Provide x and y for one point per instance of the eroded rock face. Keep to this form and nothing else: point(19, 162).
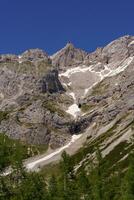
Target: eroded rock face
point(34, 55)
point(8, 58)
point(50, 83)
point(68, 56)
point(113, 53)
point(36, 90)
point(29, 94)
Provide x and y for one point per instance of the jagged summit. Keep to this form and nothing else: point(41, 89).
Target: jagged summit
point(68, 56)
point(34, 54)
point(69, 45)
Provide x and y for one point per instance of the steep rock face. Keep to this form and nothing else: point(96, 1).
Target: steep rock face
point(68, 56)
point(109, 110)
point(29, 96)
point(113, 53)
point(102, 86)
point(50, 83)
point(39, 95)
point(104, 62)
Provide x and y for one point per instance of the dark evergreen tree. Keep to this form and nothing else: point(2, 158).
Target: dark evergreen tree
point(127, 187)
point(33, 187)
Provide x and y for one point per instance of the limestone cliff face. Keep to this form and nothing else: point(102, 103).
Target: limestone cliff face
point(29, 95)
point(50, 83)
point(68, 56)
point(39, 94)
point(102, 86)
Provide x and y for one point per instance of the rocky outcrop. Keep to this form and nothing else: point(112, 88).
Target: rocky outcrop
point(29, 94)
point(68, 56)
point(50, 83)
point(8, 58)
point(34, 55)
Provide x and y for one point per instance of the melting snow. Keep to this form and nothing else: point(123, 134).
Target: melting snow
point(86, 91)
point(71, 71)
point(73, 110)
point(107, 72)
point(73, 95)
point(20, 61)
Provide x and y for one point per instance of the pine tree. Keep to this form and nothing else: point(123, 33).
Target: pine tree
point(84, 185)
point(68, 186)
point(33, 187)
point(53, 188)
point(127, 187)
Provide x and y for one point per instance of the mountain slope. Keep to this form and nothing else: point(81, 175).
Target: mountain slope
point(47, 99)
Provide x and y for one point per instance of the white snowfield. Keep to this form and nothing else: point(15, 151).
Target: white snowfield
point(110, 72)
point(106, 72)
point(74, 110)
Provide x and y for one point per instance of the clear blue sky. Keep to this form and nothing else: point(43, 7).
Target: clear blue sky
point(50, 24)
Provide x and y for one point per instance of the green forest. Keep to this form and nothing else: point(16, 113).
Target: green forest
point(63, 182)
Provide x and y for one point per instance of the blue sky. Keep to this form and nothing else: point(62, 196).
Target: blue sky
point(50, 24)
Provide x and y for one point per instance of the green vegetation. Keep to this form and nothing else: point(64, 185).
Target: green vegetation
point(53, 107)
point(109, 178)
point(14, 150)
point(28, 67)
point(86, 107)
point(100, 88)
point(96, 183)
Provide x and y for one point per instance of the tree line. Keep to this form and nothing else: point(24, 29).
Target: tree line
point(96, 183)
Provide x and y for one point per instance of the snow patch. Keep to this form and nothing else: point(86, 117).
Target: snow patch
point(74, 110)
point(20, 57)
point(71, 71)
point(87, 89)
point(73, 95)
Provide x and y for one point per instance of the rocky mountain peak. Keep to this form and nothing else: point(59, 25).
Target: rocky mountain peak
point(34, 55)
point(68, 56)
point(69, 45)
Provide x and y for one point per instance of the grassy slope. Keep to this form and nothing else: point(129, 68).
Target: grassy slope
point(11, 149)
